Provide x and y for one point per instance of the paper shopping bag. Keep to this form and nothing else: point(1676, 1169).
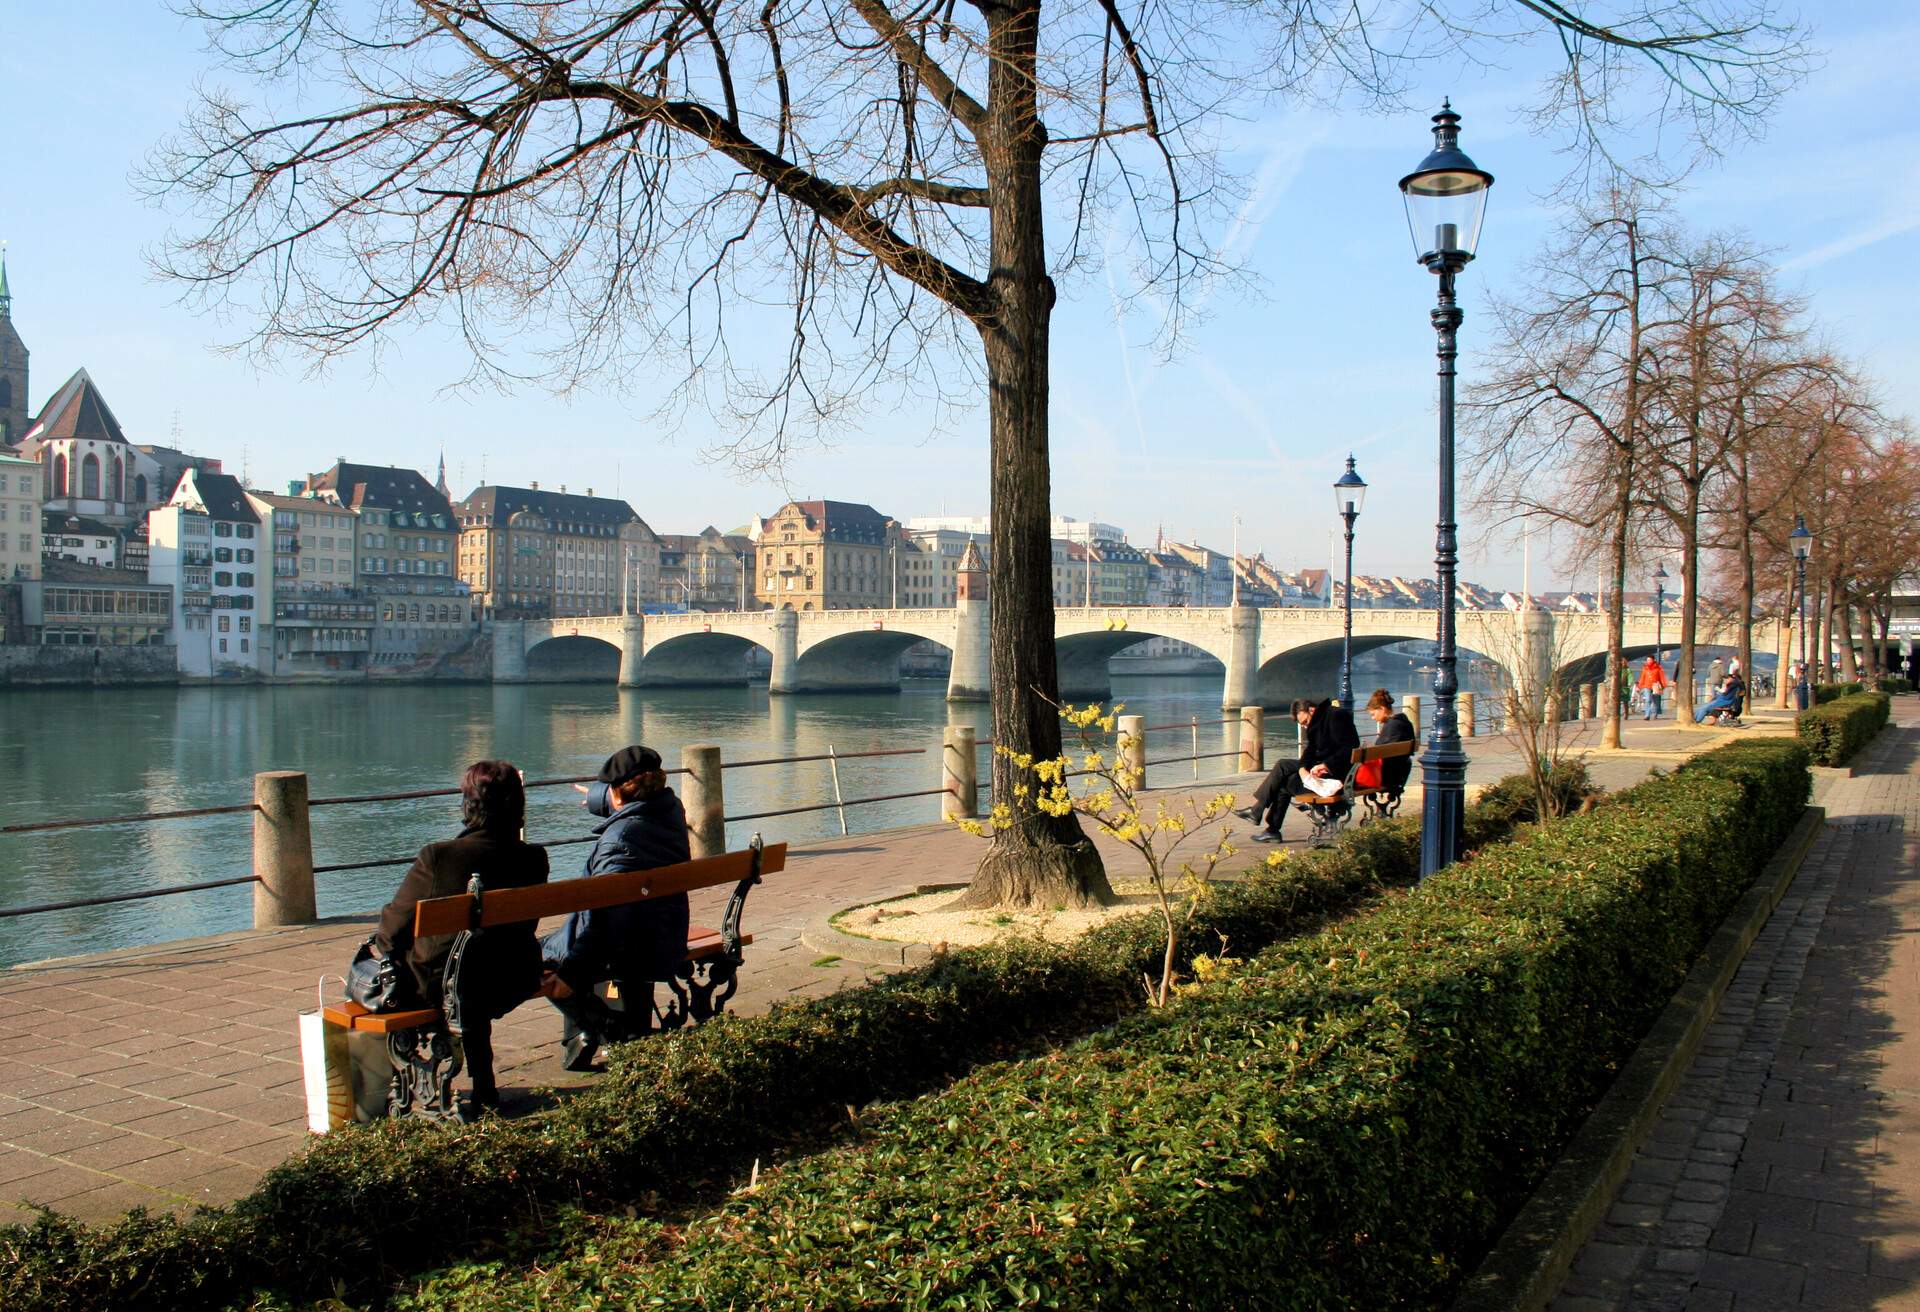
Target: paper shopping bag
point(329, 1077)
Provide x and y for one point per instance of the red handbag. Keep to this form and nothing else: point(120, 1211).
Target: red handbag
point(1371, 774)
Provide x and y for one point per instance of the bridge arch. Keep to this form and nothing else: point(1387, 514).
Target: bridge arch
point(863, 660)
point(698, 660)
point(572, 658)
point(1312, 669)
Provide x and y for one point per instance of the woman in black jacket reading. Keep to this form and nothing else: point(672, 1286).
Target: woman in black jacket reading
point(500, 968)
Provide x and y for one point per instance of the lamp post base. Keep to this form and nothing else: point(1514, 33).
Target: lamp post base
point(1443, 811)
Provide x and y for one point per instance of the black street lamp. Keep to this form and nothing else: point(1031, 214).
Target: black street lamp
point(1802, 543)
point(1349, 491)
point(1659, 612)
point(1446, 199)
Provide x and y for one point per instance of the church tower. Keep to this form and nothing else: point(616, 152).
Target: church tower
point(13, 369)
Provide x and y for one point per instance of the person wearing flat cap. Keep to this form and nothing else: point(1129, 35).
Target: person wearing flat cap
point(632, 945)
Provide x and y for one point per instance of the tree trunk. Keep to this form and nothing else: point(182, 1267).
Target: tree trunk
point(1690, 604)
point(1817, 633)
point(1747, 585)
point(1042, 861)
point(1615, 708)
point(1849, 665)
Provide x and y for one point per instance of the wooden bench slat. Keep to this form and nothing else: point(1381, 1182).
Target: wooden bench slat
point(350, 1015)
point(508, 906)
point(1381, 752)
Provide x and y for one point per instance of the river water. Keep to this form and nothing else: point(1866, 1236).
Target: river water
point(68, 754)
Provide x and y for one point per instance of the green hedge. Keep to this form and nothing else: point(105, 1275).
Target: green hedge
point(1895, 683)
point(1831, 692)
point(1342, 1122)
point(361, 1204)
point(1834, 730)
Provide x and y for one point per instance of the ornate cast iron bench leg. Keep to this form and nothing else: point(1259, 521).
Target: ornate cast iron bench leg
point(425, 1062)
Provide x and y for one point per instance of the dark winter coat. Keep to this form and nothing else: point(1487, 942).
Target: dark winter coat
point(1329, 740)
point(641, 940)
point(502, 964)
point(1394, 773)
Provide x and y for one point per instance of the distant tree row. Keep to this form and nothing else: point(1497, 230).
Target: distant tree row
point(1654, 393)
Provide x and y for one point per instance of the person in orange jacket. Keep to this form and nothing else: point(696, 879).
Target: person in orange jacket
point(1653, 682)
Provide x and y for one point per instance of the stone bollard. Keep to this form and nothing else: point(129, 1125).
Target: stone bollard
point(1133, 754)
point(705, 800)
point(1412, 708)
point(1467, 727)
point(959, 773)
point(1589, 700)
point(282, 850)
point(1253, 739)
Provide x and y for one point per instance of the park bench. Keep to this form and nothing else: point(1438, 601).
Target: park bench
point(423, 1044)
point(1330, 814)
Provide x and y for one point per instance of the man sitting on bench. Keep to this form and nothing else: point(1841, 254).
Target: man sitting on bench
point(1326, 748)
point(631, 945)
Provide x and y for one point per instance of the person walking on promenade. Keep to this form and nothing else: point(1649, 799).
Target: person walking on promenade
point(1326, 748)
point(633, 945)
point(500, 967)
point(1653, 684)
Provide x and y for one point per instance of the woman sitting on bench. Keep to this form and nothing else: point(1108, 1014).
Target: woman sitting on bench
point(500, 968)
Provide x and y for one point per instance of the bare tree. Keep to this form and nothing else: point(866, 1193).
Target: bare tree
point(1565, 407)
point(866, 186)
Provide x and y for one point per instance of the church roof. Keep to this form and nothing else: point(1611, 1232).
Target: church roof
point(77, 410)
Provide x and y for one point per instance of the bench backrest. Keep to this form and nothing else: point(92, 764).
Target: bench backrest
point(507, 906)
point(1381, 752)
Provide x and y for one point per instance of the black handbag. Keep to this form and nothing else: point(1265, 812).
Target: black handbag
point(375, 982)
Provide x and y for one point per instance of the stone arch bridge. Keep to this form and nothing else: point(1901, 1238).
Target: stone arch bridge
point(1270, 655)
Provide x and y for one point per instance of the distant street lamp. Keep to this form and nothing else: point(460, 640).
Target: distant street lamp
point(1446, 199)
point(1659, 612)
point(1349, 491)
point(1802, 543)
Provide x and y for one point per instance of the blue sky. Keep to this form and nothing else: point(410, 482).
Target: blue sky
point(1329, 351)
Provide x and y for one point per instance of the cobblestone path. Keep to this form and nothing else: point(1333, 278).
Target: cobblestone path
point(1785, 1170)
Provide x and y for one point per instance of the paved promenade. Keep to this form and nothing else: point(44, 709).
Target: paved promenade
point(168, 1077)
point(1785, 1169)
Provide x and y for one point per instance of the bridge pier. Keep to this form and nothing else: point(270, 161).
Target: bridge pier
point(509, 651)
point(970, 678)
point(633, 649)
point(786, 653)
point(1243, 658)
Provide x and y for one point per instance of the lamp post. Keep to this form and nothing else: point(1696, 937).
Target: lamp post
point(1659, 612)
point(1446, 199)
point(1802, 543)
point(1349, 491)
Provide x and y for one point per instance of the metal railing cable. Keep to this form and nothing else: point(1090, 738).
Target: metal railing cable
point(105, 899)
point(418, 794)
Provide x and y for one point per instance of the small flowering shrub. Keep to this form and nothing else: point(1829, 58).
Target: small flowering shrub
point(1109, 798)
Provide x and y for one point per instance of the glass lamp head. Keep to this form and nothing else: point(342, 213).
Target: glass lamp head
point(1446, 197)
point(1800, 539)
point(1349, 491)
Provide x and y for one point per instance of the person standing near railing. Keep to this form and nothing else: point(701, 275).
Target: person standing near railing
point(632, 945)
point(500, 967)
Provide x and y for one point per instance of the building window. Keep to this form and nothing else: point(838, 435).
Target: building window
point(222, 578)
point(222, 530)
point(223, 646)
point(243, 531)
point(223, 554)
point(225, 625)
point(90, 477)
point(60, 476)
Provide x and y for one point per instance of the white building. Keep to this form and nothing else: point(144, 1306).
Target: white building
point(77, 538)
point(19, 519)
point(206, 544)
point(322, 620)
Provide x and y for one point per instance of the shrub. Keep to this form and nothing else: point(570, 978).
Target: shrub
point(1895, 683)
point(1340, 1123)
point(1834, 730)
point(1828, 692)
point(361, 1204)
